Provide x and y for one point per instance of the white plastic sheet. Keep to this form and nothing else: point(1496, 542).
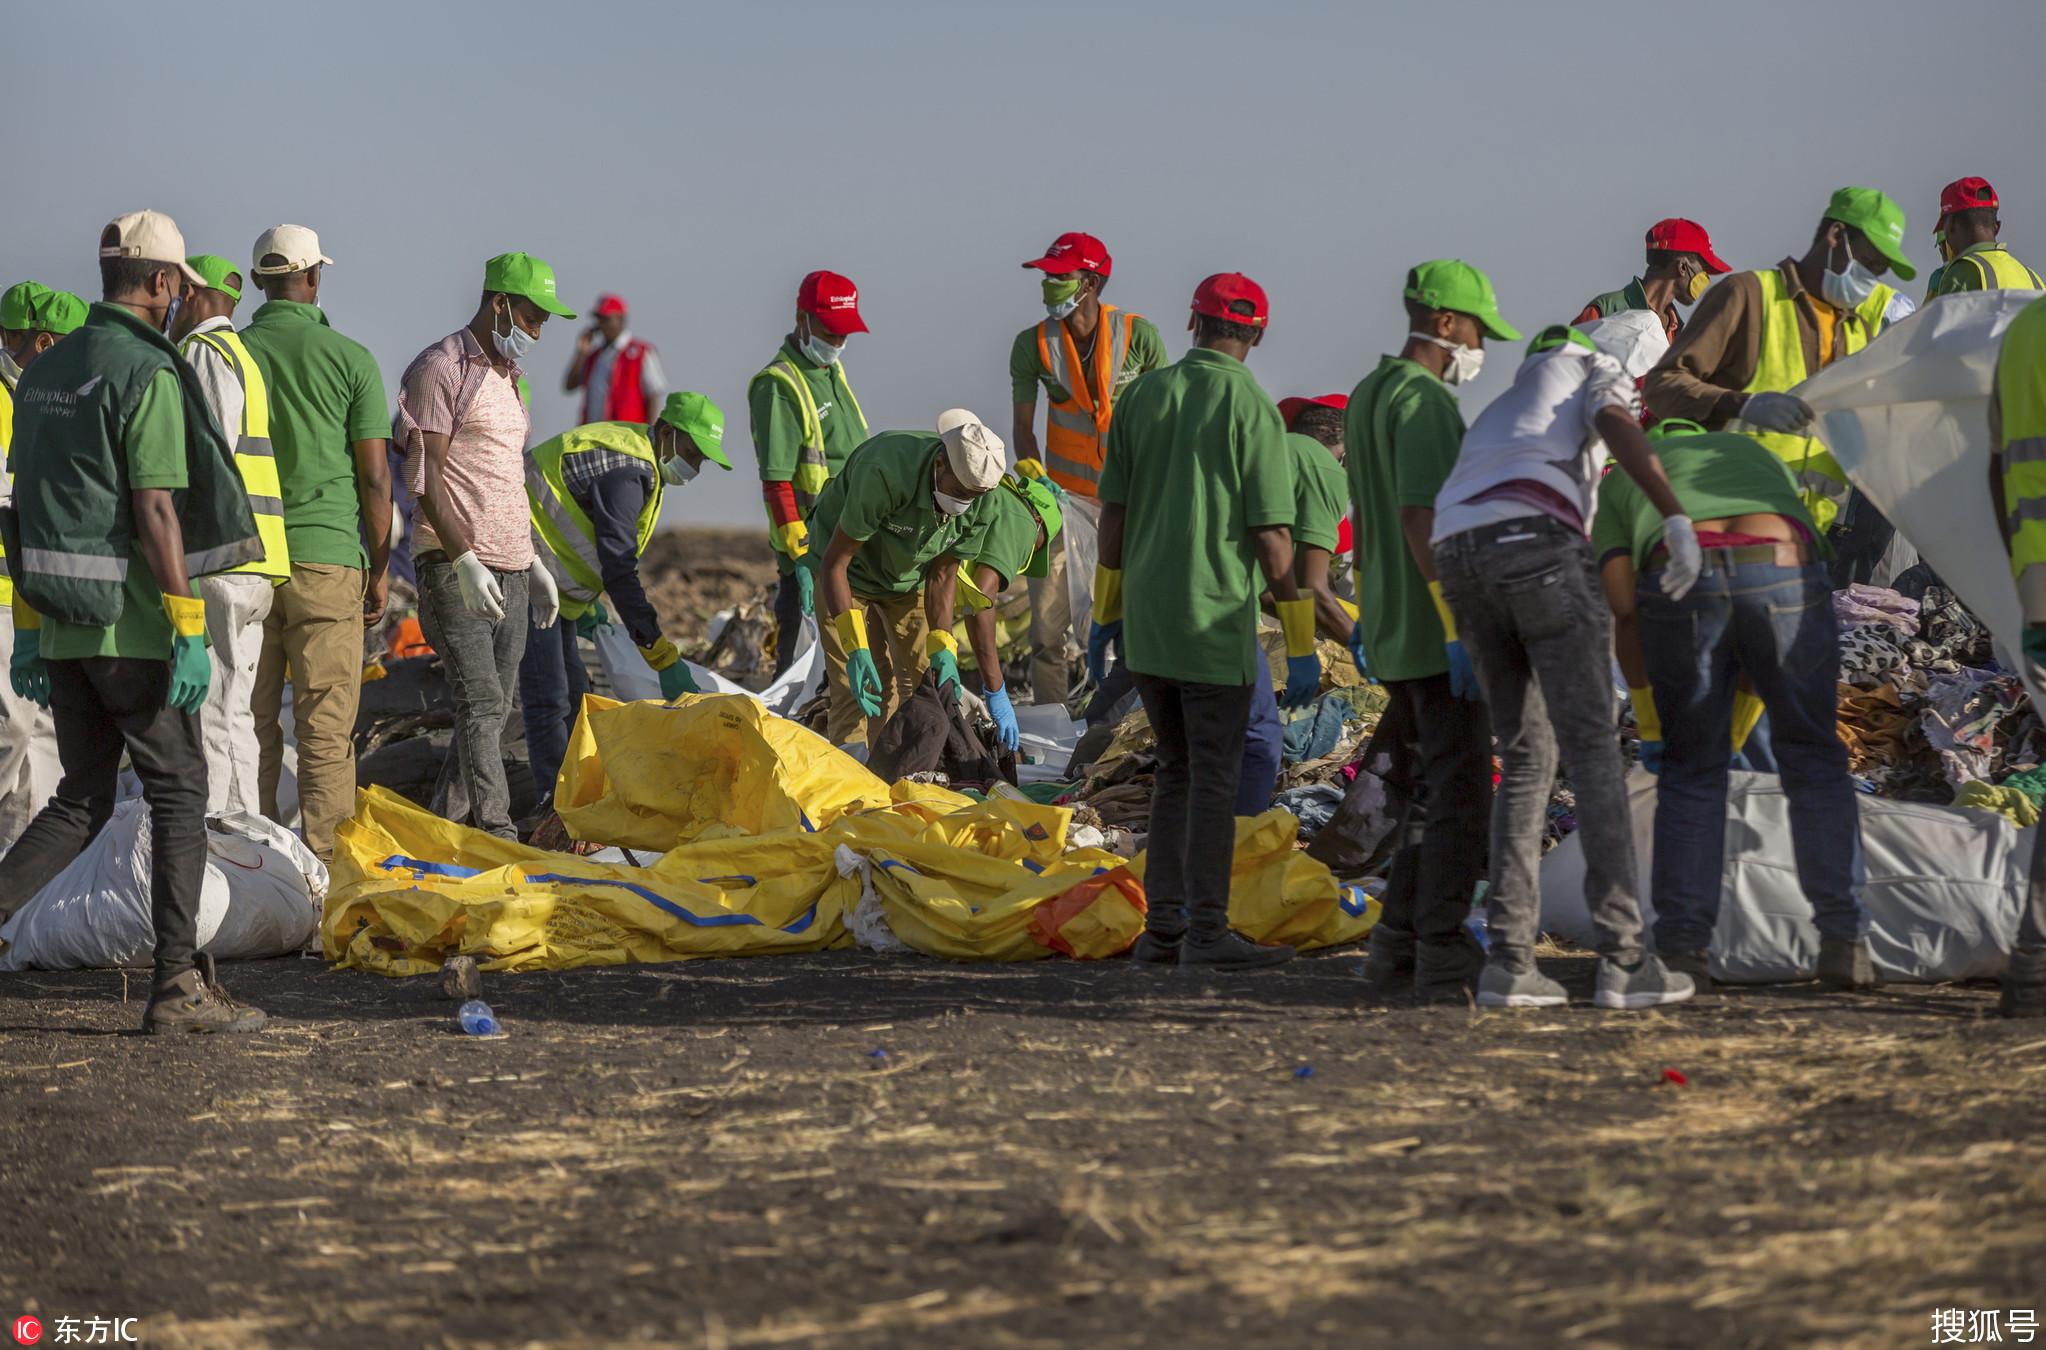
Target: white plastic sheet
point(1082, 516)
point(631, 678)
point(1048, 734)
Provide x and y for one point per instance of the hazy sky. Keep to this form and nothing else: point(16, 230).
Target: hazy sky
point(699, 159)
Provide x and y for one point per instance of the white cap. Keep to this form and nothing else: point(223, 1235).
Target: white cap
point(297, 245)
point(1633, 337)
point(151, 236)
point(977, 455)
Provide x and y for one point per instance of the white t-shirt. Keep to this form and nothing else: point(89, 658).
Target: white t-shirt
point(217, 378)
point(1542, 430)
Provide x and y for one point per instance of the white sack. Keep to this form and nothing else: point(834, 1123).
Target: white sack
point(1633, 337)
point(1944, 886)
point(1082, 516)
point(262, 897)
point(631, 678)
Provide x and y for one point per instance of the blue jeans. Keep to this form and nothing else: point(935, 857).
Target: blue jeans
point(1776, 624)
point(1264, 743)
point(552, 682)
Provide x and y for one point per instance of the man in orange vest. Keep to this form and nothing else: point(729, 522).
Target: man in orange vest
point(621, 377)
point(1107, 348)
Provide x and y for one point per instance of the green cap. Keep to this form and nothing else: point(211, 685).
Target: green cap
point(1876, 216)
point(524, 274)
point(1452, 284)
point(216, 270)
point(1046, 503)
point(701, 421)
point(14, 303)
point(57, 312)
point(1674, 426)
point(1558, 335)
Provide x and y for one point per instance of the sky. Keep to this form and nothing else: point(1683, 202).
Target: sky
point(700, 159)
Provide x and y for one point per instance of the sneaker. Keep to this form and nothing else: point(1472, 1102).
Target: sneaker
point(1388, 967)
point(194, 1001)
point(1231, 951)
point(1448, 971)
point(1648, 985)
point(1154, 951)
point(1845, 964)
point(2024, 986)
point(1697, 965)
point(1499, 987)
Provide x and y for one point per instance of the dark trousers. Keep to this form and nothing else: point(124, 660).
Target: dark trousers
point(2032, 918)
point(1264, 752)
point(101, 706)
point(552, 682)
point(1441, 748)
point(481, 659)
point(1193, 803)
point(788, 617)
point(1860, 536)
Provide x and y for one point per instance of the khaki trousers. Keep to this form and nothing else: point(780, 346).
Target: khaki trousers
point(315, 630)
point(1051, 629)
point(896, 630)
point(236, 605)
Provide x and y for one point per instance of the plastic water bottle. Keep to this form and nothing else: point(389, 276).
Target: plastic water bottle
point(1475, 923)
point(477, 1019)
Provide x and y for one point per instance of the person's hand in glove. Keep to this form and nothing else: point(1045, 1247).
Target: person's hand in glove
point(593, 618)
point(665, 660)
point(1463, 677)
point(27, 671)
point(543, 597)
point(1357, 650)
point(1686, 559)
point(1107, 621)
point(806, 591)
point(862, 677)
point(1303, 667)
point(1772, 411)
point(943, 649)
point(191, 668)
point(999, 708)
point(481, 592)
point(1649, 723)
point(794, 538)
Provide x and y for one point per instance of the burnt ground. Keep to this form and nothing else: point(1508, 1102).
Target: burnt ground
point(712, 1154)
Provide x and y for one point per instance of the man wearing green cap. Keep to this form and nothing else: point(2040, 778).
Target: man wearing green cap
point(463, 420)
point(1404, 431)
point(14, 328)
point(1756, 334)
point(595, 495)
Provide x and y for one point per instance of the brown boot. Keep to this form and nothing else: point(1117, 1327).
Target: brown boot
point(194, 1001)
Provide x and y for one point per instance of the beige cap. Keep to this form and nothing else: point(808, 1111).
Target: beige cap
point(297, 245)
point(151, 236)
point(977, 455)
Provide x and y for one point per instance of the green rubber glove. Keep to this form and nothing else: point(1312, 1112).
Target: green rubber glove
point(593, 617)
point(191, 668)
point(677, 681)
point(806, 590)
point(943, 649)
point(27, 671)
point(864, 679)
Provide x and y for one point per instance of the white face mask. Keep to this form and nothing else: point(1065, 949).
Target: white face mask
point(1850, 287)
point(950, 505)
point(1064, 307)
point(515, 344)
point(675, 470)
point(1464, 362)
point(820, 351)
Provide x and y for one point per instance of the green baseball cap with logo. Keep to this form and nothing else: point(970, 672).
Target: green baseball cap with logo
point(14, 303)
point(1453, 284)
point(701, 421)
point(524, 274)
point(215, 270)
point(1876, 216)
point(57, 312)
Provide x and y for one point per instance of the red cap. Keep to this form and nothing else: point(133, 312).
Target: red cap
point(1214, 296)
point(1686, 236)
point(1074, 253)
point(609, 304)
point(1289, 408)
point(1966, 195)
point(832, 301)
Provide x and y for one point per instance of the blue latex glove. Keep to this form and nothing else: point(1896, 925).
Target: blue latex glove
point(191, 673)
point(947, 666)
point(1097, 649)
point(1463, 679)
point(28, 672)
point(1357, 650)
point(593, 618)
point(999, 708)
point(677, 681)
point(864, 679)
point(1651, 756)
point(806, 590)
point(1303, 680)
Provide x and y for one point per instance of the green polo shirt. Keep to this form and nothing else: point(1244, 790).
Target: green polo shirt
point(1403, 430)
point(883, 499)
point(1197, 458)
point(1321, 494)
point(778, 422)
point(1009, 539)
point(1715, 476)
point(325, 393)
point(1146, 351)
point(153, 455)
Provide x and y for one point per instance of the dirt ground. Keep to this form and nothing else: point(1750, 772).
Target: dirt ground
point(845, 1150)
point(690, 575)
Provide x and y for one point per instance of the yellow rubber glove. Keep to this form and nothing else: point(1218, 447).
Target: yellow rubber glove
point(662, 654)
point(794, 538)
point(1646, 719)
point(666, 661)
point(24, 614)
point(862, 677)
point(1107, 594)
point(1347, 608)
point(1296, 620)
point(1442, 611)
point(1747, 710)
point(1030, 468)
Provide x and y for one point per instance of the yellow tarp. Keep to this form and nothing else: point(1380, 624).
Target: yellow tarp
point(1278, 894)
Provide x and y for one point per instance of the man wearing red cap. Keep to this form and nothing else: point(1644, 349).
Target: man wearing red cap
point(1197, 508)
point(805, 422)
point(1680, 264)
point(620, 375)
point(1966, 234)
point(1107, 348)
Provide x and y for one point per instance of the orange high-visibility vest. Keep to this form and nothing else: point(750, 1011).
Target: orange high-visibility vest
point(1076, 431)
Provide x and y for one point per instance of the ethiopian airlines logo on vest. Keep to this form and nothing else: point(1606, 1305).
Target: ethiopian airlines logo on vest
point(85, 390)
point(57, 402)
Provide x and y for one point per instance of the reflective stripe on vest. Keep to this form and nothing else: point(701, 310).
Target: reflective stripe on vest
point(1999, 271)
point(253, 455)
point(2021, 415)
point(571, 553)
point(1780, 365)
point(813, 468)
point(1076, 430)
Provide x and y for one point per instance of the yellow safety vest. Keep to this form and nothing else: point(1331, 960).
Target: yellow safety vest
point(1076, 431)
point(6, 440)
point(1820, 480)
point(813, 469)
point(2021, 411)
point(253, 455)
point(1999, 271)
point(571, 553)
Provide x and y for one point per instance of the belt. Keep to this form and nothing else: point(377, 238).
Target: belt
point(1781, 555)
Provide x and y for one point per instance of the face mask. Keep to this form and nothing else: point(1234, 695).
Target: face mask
point(1850, 287)
point(170, 313)
point(1464, 362)
point(1061, 296)
point(952, 506)
point(1699, 281)
point(515, 344)
point(675, 470)
point(820, 351)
